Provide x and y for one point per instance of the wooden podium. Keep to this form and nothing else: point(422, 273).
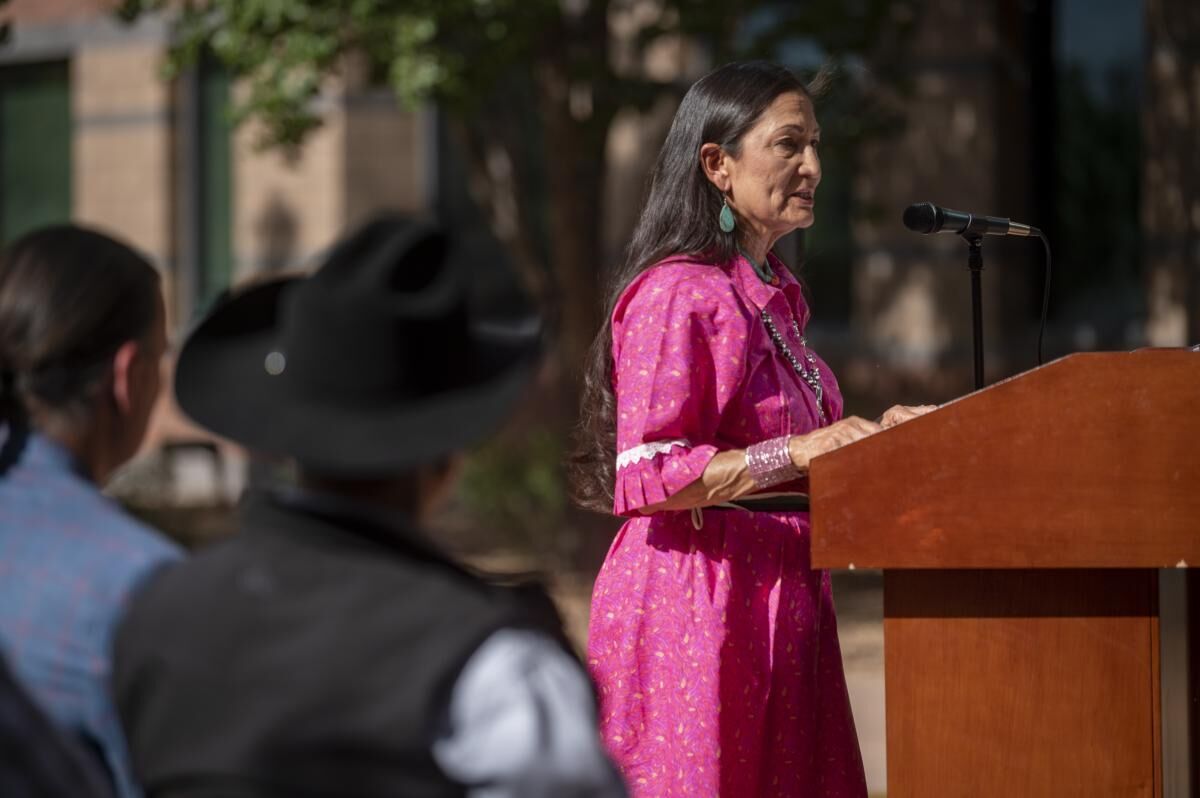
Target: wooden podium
point(1020, 530)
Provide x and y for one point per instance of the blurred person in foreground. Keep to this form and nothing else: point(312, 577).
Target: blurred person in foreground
point(36, 759)
point(330, 648)
point(713, 641)
point(82, 335)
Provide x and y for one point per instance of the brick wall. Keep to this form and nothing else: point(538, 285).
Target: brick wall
point(47, 11)
point(122, 145)
point(388, 158)
point(288, 207)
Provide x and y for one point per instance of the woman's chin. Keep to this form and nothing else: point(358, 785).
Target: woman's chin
point(801, 219)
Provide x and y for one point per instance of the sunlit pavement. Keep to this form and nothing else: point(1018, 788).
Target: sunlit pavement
point(859, 599)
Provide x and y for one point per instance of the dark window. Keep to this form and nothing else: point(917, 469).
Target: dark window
point(35, 147)
point(214, 182)
point(1098, 57)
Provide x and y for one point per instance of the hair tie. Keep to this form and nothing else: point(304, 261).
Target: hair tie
point(13, 422)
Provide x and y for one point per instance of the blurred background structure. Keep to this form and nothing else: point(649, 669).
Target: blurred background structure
point(233, 140)
point(531, 127)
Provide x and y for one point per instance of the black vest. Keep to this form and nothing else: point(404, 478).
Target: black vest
point(312, 655)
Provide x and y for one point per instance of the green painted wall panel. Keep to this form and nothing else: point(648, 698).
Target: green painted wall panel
point(216, 183)
point(35, 148)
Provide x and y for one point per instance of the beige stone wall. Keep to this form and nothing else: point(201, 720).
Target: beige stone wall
point(53, 11)
point(388, 158)
point(368, 156)
point(122, 157)
point(1170, 212)
point(287, 207)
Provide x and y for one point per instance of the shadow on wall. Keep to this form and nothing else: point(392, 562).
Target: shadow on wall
point(276, 230)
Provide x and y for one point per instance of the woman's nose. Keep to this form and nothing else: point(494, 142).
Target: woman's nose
point(810, 164)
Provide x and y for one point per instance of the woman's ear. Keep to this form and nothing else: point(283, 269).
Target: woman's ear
point(715, 163)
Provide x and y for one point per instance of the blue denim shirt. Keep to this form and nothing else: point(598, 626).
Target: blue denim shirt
point(69, 560)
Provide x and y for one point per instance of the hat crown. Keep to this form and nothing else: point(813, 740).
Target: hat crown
point(385, 319)
point(375, 362)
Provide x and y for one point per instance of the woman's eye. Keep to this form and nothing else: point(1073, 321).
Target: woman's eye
point(786, 145)
point(815, 144)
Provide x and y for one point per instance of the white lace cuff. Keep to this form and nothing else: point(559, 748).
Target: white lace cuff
point(647, 451)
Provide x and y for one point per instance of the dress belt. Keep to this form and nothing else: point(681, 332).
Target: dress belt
point(768, 503)
point(761, 503)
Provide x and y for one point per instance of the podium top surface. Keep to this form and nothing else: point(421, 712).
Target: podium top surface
point(1091, 461)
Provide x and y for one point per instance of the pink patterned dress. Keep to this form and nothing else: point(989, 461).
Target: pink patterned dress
point(715, 648)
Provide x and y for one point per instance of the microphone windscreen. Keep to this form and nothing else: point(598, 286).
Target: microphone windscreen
point(921, 218)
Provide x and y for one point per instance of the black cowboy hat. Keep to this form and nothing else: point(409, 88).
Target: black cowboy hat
point(373, 364)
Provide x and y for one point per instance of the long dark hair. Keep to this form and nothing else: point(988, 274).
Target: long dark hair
point(69, 298)
point(679, 217)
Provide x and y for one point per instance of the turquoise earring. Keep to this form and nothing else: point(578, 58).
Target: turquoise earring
point(725, 220)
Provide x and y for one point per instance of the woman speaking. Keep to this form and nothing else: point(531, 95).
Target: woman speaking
point(713, 640)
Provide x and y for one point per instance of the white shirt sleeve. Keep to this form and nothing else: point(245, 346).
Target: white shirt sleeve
point(521, 722)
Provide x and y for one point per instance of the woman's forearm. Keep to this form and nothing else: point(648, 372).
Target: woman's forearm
point(725, 478)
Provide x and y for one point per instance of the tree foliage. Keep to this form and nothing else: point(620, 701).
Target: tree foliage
point(458, 52)
point(531, 90)
point(532, 86)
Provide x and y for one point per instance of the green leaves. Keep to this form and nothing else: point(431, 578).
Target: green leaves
point(458, 51)
point(418, 69)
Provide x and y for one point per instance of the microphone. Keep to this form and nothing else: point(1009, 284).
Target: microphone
point(925, 217)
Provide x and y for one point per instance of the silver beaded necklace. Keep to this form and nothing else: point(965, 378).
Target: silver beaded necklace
point(811, 375)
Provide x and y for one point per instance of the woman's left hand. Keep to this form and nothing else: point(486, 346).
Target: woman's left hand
point(898, 414)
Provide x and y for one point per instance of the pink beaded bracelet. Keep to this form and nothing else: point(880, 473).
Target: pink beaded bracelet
point(770, 463)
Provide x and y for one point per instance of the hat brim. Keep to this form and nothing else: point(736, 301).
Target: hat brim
point(222, 383)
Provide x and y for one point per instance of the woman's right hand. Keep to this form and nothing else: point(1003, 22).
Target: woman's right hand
point(803, 448)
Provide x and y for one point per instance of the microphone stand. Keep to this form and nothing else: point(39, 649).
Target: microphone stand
point(975, 265)
point(928, 218)
point(974, 232)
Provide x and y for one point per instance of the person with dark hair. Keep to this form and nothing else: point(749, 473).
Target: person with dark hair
point(713, 641)
point(82, 335)
point(331, 649)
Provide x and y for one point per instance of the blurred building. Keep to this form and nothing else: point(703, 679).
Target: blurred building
point(90, 131)
point(1078, 116)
